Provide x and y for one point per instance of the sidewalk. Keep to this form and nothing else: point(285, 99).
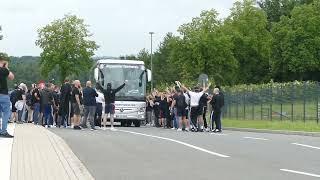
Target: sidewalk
point(38, 154)
point(5, 154)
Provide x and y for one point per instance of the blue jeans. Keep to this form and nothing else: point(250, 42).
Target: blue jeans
point(5, 111)
point(48, 114)
point(36, 113)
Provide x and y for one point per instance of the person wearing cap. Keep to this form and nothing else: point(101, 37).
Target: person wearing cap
point(109, 97)
point(5, 74)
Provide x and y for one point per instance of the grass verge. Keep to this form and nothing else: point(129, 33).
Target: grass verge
point(308, 126)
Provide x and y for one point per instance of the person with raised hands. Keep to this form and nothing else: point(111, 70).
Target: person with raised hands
point(196, 120)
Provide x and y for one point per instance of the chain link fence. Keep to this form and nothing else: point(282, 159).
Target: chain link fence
point(295, 101)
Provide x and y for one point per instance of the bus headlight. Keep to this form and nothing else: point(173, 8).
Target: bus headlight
point(141, 110)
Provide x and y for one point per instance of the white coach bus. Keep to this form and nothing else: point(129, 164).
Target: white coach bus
point(130, 105)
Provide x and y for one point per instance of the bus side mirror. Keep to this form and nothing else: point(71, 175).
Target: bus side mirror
point(149, 75)
point(96, 74)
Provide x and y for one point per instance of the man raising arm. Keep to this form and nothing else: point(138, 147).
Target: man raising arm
point(4, 97)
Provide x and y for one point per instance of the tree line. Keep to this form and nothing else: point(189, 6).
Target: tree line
point(275, 40)
point(259, 42)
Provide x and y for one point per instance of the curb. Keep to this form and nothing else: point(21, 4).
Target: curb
point(73, 166)
point(300, 133)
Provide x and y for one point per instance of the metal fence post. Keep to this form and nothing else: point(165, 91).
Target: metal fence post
point(271, 100)
point(244, 103)
point(304, 101)
point(318, 93)
point(252, 99)
point(281, 102)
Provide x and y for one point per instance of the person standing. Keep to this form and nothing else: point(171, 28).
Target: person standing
point(47, 102)
point(180, 104)
point(196, 113)
point(13, 100)
point(21, 103)
point(56, 99)
point(100, 105)
point(109, 97)
point(5, 104)
point(64, 108)
point(76, 100)
point(90, 105)
point(36, 104)
point(149, 109)
point(217, 103)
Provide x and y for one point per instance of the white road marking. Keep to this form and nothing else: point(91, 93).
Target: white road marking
point(5, 154)
point(255, 138)
point(179, 142)
point(218, 134)
point(304, 145)
point(299, 172)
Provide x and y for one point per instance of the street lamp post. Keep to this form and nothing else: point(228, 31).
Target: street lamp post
point(151, 34)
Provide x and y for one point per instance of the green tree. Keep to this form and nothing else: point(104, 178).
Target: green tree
point(66, 47)
point(296, 44)
point(204, 48)
point(247, 25)
point(277, 8)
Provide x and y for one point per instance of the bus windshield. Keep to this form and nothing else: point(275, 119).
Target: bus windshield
point(117, 74)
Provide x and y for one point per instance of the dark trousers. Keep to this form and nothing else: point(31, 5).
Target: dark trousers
point(217, 120)
point(98, 115)
point(194, 116)
point(204, 117)
point(89, 113)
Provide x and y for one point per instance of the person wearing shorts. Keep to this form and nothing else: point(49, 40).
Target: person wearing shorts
point(181, 104)
point(109, 97)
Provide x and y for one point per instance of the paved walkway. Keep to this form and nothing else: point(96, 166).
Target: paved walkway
point(5, 154)
point(38, 154)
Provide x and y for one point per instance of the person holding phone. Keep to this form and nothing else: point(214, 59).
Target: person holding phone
point(5, 103)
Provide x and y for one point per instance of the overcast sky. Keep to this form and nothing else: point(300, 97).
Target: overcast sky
point(120, 27)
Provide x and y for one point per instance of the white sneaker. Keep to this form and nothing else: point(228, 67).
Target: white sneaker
point(46, 126)
point(173, 128)
point(104, 128)
point(113, 129)
point(179, 129)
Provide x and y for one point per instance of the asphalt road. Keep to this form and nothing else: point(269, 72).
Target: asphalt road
point(151, 153)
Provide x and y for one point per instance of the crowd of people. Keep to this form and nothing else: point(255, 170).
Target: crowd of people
point(69, 106)
point(72, 106)
point(184, 109)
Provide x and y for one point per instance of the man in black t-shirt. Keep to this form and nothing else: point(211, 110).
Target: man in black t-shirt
point(180, 103)
point(76, 99)
point(4, 97)
point(109, 97)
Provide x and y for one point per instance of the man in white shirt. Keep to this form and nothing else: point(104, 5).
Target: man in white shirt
point(100, 107)
point(196, 120)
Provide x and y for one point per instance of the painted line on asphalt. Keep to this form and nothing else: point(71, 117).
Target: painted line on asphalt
point(304, 145)
point(255, 138)
point(179, 142)
point(300, 172)
point(217, 134)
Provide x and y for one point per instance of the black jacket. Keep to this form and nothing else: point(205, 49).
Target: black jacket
point(217, 103)
point(109, 95)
